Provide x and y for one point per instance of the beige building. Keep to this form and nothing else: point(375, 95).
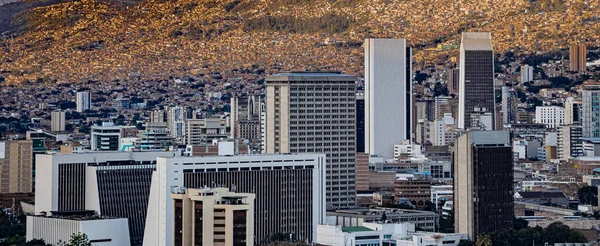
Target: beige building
point(577, 56)
point(362, 171)
point(213, 217)
point(202, 131)
point(16, 166)
point(314, 112)
point(58, 121)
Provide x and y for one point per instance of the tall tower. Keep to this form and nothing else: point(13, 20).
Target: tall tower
point(57, 121)
point(577, 57)
point(388, 95)
point(84, 101)
point(590, 111)
point(506, 107)
point(315, 113)
point(476, 90)
point(483, 183)
point(572, 111)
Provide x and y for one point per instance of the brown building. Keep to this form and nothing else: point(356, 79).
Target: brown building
point(417, 191)
point(240, 148)
point(129, 132)
point(362, 172)
point(483, 183)
point(16, 166)
point(577, 57)
point(247, 129)
point(382, 180)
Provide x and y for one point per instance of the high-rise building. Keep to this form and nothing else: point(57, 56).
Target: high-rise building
point(483, 183)
point(289, 189)
point(453, 81)
point(572, 111)
point(84, 101)
point(526, 73)
point(106, 137)
point(506, 107)
point(203, 131)
point(157, 115)
point(16, 166)
point(315, 113)
point(551, 116)
point(577, 57)
point(57, 121)
point(569, 142)
point(212, 217)
point(437, 132)
point(176, 117)
point(590, 111)
point(360, 122)
point(424, 110)
point(477, 94)
point(114, 184)
point(388, 95)
point(244, 110)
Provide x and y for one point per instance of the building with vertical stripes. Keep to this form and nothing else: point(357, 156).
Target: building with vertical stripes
point(577, 57)
point(289, 192)
point(115, 184)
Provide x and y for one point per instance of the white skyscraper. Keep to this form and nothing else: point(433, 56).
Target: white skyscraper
point(84, 101)
point(506, 111)
point(526, 73)
point(572, 111)
point(176, 117)
point(388, 90)
point(476, 89)
point(58, 121)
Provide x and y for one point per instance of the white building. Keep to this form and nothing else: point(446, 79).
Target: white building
point(506, 107)
point(431, 239)
point(281, 183)
point(113, 184)
point(84, 101)
point(58, 121)
point(388, 90)
point(176, 117)
point(441, 193)
point(406, 148)
point(106, 137)
point(367, 234)
point(551, 116)
point(526, 73)
point(99, 230)
point(572, 111)
point(437, 130)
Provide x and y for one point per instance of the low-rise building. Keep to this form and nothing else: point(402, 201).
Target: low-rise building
point(357, 217)
point(367, 234)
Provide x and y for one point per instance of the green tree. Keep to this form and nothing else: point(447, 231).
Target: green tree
point(588, 195)
point(79, 239)
point(466, 243)
point(484, 240)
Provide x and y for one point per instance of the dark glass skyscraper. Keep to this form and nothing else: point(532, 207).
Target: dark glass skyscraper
point(360, 122)
point(476, 91)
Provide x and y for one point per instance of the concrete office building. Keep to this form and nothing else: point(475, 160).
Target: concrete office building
point(243, 111)
point(417, 191)
point(289, 189)
point(453, 81)
point(57, 121)
point(369, 234)
point(16, 166)
point(59, 228)
point(176, 117)
point(106, 137)
point(526, 73)
point(550, 116)
point(388, 95)
point(590, 111)
point(569, 142)
point(483, 183)
point(572, 111)
point(577, 57)
point(155, 137)
point(202, 131)
point(477, 94)
point(114, 184)
point(358, 217)
point(315, 113)
point(157, 115)
point(212, 217)
point(83, 101)
point(507, 113)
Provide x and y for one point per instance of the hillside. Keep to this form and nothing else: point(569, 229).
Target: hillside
point(115, 39)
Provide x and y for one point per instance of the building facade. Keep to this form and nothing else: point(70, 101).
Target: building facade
point(106, 137)
point(526, 73)
point(550, 116)
point(590, 111)
point(176, 117)
point(388, 94)
point(577, 57)
point(57, 121)
point(244, 111)
point(315, 113)
point(507, 114)
point(483, 183)
point(477, 94)
point(289, 189)
point(360, 122)
point(83, 101)
point(453, 81)
point(569, 142)
point(572, 111)
point(203, 131)
point(16, 166)
point(212, 217)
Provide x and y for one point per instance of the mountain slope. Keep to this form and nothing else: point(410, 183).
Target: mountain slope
point(106, 40)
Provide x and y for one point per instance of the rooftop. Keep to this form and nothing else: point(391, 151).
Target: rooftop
point(311, 76)
point(355, 229)
point(477, 41)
